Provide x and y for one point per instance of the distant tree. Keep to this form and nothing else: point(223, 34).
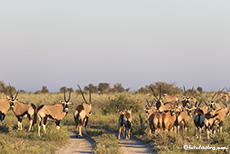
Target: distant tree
point(44, 89)
point(143, 90)
point(103, 87)
point(22, 91)
point(70, 89)
point(2, 87)
point(91, 88)
point(62, 89)
point(127, 89)
point(7, 90)
point(200, 89)
point(118, 87)
point(168, 88)
point(38, 92)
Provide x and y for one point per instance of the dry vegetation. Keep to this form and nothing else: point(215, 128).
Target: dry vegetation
point(105, 113)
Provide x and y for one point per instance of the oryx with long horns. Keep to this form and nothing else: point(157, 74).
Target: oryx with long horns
point(82, 113)
point(55, 112)
point(21, 110)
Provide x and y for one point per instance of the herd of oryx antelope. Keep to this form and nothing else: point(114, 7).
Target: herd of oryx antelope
point(174, 114)
point(164, 113)
point(41, 113)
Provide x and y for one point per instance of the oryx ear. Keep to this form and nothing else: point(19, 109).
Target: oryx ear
point(8, 97)
point(62, 101)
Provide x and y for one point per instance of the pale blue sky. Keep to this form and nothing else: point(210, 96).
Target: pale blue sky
point(64, 43)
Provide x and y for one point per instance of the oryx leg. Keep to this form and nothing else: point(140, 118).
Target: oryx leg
point(31, 122)
point(221, 125)
point(150, 129)
point(44, 123)
point(39, 125)
point(200, 132)
point(123, 132)
point(119, 134)
point(57, 124)
point(80, 130)
point(2, 117)
point(30, 127)
point(19, 123)
point(186, 127)
point(207, 130)
point(86, 122)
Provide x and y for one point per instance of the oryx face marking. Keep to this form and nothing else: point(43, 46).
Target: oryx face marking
point(65, 106)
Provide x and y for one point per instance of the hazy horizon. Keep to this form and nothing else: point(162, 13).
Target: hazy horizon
point(136, 43)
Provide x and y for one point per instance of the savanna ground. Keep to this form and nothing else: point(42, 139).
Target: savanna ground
point(105, 113)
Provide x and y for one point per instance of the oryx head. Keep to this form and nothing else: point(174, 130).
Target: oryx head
point(190, 109)
point(11, 98)
point(159, 101)
point(88, 103)
point(148, 107)
point(173, 109)
point(66, 103)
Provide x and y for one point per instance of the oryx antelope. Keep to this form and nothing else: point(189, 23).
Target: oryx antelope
point(188, 99)
point(21, 110)
point(82, 113)
point(198, 118)
point(154, 118)
point(125, 120)
point(182, 118)
point(4, 107)
point(55, 112)
point(168, 118)
point(159, 105)
point(213, 104)
point(169, 98)
point(215, 119)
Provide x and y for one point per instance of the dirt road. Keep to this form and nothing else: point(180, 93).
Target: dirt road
point(77, 145)
point(86, 145)
point(134, 146)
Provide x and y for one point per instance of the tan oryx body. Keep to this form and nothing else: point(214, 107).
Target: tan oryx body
point(168, 119)
point(182, 118)
point(4, 107)
point(55, 112)
point(22, 110)
point(169, 98)
point(82, 113)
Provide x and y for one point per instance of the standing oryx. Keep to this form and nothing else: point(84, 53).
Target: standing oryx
point(82, 113)
point(55, 112)
point(4, 107)
point(21, 110)
point(215, 119)
point(125, 120)
point(169, 98)
point(154, 118)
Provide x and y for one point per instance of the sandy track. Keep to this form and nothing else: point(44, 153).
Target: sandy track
point(134, 146)
point(77, 145)
point(86, 145)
